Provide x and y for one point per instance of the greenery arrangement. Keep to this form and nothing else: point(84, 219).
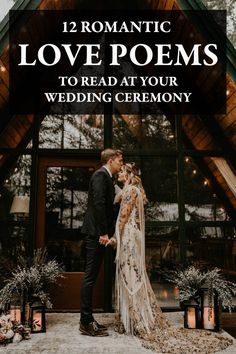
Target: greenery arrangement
point(190, 280)
point(32, 278)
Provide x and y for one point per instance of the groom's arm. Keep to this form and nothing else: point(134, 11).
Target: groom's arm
point(99, 188)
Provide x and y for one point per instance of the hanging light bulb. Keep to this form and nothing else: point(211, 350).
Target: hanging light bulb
point(194, 172)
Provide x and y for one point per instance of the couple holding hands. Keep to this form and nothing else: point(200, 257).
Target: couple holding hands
point(136, 306)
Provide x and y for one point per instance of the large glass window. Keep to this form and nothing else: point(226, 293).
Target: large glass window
point(152, 143)
point(201, 202)
point(71, 132)
point(148, 132)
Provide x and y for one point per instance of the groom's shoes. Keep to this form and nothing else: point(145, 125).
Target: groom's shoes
point(100, 326)
point(92, 329)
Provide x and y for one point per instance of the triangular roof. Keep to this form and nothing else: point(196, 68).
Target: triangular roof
point(214, 133)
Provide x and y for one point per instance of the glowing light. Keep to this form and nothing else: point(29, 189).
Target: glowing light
point(205, 183)
point(176, 292)
point(2, 68)
point(194, 172)
point(186, 159)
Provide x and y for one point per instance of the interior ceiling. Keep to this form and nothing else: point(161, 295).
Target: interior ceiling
point(214, 133)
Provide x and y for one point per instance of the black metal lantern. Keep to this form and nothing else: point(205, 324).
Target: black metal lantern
point(37, 317)
point(191, 315)
point(210, 309)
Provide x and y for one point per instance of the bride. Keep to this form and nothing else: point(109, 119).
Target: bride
point(136, 304)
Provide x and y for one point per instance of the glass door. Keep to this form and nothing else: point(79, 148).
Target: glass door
point(62, 201)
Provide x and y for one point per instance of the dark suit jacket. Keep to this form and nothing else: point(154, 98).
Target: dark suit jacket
point(100, 216)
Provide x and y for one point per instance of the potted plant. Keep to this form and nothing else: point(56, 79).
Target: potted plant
point(208, 291)
point(31, 279)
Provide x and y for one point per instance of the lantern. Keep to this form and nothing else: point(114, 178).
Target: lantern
point(16, 309)
point(191, 315)
point(210, 309)
point(15, 313)
point(37, 317)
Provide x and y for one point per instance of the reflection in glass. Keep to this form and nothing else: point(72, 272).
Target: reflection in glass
point(201, 203)
point(66, 201)
point(148, 132)
point(71, 132)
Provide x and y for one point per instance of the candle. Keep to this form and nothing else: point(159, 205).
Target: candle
point(15, 314)
point(37, 321)
point(208, 318)
point(191, 317)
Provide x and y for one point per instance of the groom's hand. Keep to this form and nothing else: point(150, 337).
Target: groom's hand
point(103, 240)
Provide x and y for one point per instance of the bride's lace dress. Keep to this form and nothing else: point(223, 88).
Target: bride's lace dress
point(136, 304)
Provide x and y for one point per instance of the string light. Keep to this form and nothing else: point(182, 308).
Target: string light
point(194, 172)
point(205, 183)
point(2, 68)
point(186, 159)
point(227, 92)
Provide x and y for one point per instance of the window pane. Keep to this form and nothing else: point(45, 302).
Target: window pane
point(71, 132)
point(18, 181)
point(212, 246)
point(149, 132)
point(201, 203)
point(66, 201)
point(162, 252)
point(14, 211)
point(159, 180)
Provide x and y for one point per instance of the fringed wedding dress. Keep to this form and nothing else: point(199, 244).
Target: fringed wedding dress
point(136, 304)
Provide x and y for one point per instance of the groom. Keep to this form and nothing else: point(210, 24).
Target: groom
point(98, 226)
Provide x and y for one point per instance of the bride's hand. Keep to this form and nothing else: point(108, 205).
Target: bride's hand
point(112, 242)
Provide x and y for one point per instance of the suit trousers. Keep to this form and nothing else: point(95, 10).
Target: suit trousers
point(94, 257)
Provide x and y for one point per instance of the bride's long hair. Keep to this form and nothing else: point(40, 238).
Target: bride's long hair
point(133, 177)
